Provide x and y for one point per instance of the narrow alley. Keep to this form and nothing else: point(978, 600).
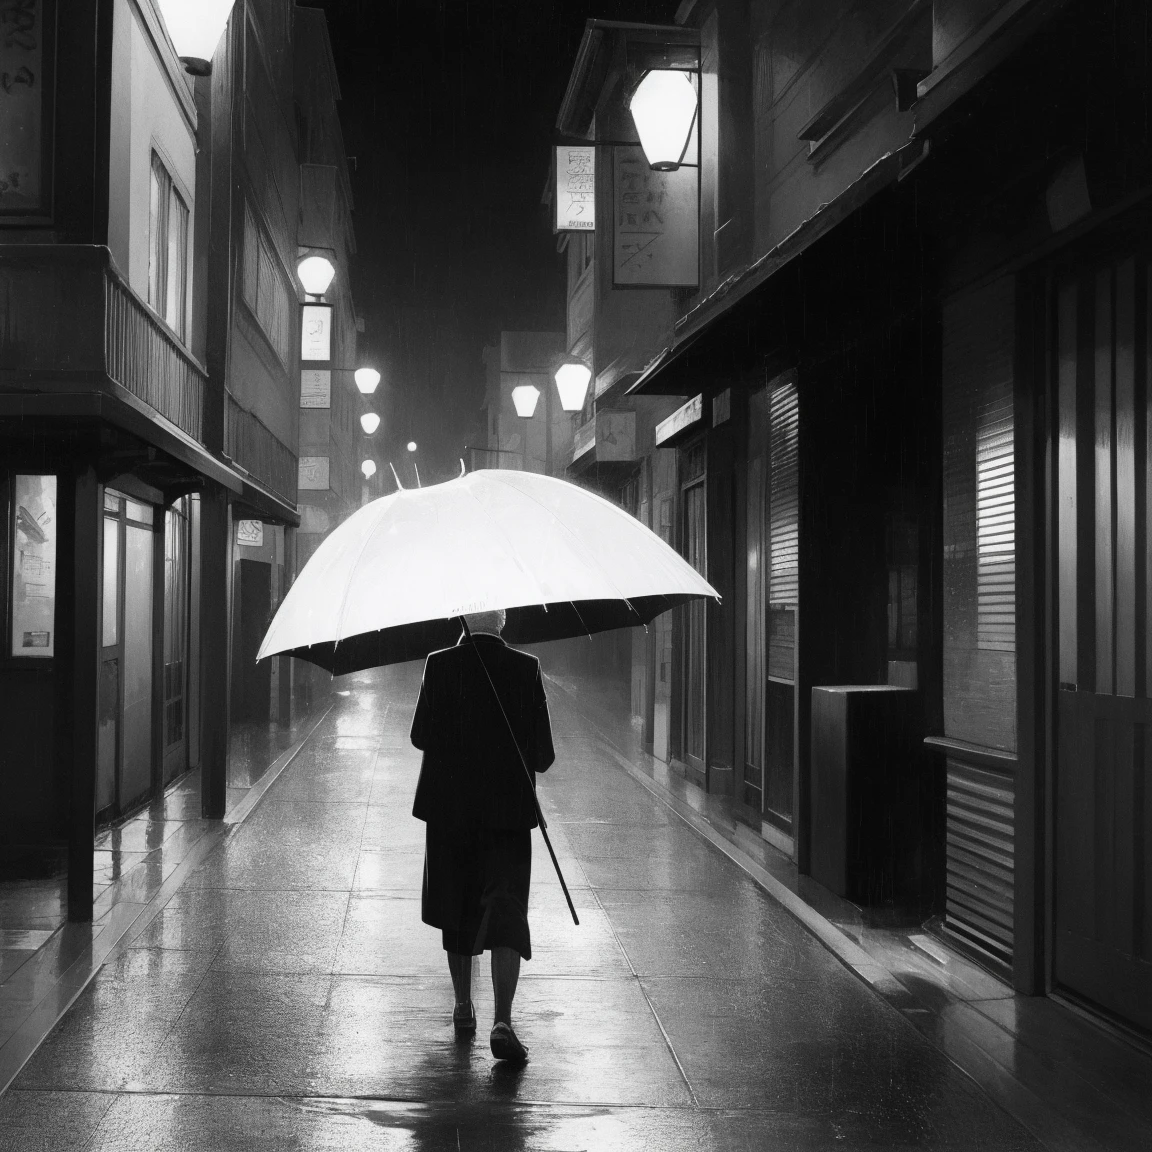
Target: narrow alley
point(286, 995)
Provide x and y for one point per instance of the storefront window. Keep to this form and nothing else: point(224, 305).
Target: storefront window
point(34, 566)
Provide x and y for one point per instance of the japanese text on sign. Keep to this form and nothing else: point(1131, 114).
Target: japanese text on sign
point(656, 225)
point(575, 189)
point(315, 388)
point(21, 103)
point(316, 332)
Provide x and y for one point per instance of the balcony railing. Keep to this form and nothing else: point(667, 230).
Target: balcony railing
point(147, 359)
point(253, 446)
point(68, 318)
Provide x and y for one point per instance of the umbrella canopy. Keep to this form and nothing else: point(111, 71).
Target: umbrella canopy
point(390, 582)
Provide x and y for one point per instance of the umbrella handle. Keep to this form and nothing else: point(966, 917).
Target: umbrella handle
point(527, 772)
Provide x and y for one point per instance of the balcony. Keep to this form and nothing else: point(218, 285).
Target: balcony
point(252, 445)
point(607, 441)
point(70, 323)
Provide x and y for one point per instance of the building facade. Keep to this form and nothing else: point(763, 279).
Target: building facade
point(894, 354)
point(149, 407)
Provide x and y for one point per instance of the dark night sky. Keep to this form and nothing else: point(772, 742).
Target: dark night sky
point(449, 108)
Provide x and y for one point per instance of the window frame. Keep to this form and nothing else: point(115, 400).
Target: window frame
point(164, 193)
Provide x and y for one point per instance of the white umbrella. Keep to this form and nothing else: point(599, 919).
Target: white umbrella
point(390, 582)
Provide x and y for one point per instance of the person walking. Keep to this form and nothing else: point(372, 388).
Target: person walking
point(479, 808)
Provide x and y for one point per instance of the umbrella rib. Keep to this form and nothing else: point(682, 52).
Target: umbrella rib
point(595, 559)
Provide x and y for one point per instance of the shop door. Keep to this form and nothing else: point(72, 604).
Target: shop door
point(693, 617)
point(253, 682)
point(124, 753)
point(1103, 784)
point(755, 648)
point(176, 671)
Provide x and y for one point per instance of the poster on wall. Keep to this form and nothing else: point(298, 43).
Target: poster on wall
point(34, 566)
point(656, 224)
point(575, 189)
point(250, 533)
point(315, 388)
point(25, 88)
point(313, 474)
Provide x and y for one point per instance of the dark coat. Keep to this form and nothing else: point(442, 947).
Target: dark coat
point(470, 775)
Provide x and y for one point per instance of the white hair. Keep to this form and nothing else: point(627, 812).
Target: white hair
point(490, 622)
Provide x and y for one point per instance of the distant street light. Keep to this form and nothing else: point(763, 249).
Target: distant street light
point(368, 468)
point(663, 108)
point(196, 27)
point(366, 380)
point(524, 396)
point(316, 273)
point(572, 379)
point(411, 445)
point(369, 422)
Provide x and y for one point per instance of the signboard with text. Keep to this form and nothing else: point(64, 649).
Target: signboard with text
point(26, 57)
point(313, 474)
point(575, 188)
point(315, 388)
point(655, 222)
point(316, 332)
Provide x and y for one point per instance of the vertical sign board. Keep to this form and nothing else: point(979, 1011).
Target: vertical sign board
point(575, 188)
point(313, 474)
point(34, 566)
point(315, 388)
point(26, 83)
point(315, 330)
point(656, 224)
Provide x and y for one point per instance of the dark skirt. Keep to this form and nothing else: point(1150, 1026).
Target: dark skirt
point(476, 883)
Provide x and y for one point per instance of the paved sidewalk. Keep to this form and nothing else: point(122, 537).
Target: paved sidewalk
point(287, 995)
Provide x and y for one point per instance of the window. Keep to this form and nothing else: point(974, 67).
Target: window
point(167, 249)
point(34, 566)
point(265, 292)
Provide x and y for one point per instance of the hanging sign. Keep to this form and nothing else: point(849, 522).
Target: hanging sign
point(315, 388)
point(575, 188)
point(313, 474)
point(24, 87)
point(316, 332)
point(656, 224)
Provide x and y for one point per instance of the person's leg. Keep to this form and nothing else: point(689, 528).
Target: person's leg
point(461, 968)
point(505, 974)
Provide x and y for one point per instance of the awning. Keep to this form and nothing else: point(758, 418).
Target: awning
point(659, 376)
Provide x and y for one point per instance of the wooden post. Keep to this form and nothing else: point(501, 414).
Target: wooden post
point(86, 568)
point(215, 572)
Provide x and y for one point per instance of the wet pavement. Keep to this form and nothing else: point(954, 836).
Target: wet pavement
point(285, 995)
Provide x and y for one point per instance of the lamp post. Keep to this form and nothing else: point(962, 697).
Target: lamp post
point(525, 398)
point(412, 449)
point(196, 27)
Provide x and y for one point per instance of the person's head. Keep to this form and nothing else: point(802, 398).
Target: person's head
point(490, 622)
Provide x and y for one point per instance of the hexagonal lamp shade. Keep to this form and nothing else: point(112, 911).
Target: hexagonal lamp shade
point(366, 380)
point(663, 108)
point(524, 396)
point(572, 383)
point(316, 273)
point(369, 422)
point(196, 27)
point(368, 468)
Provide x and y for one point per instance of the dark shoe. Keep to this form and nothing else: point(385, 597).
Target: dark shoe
point(505, 1046)
point(464, 1017)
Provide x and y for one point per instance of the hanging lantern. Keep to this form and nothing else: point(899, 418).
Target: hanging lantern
point(524, 396)
point(369, 422)
point(663, 108)
point(366, 380)
point(196, 27)
point(572, 379)
point(411, 445)
point(316, 273)
point(368, 468)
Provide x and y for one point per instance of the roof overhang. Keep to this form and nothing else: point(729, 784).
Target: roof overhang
point(662, 375)
point(610, 52)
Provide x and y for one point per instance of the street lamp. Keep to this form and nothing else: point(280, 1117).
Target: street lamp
point(524, 397)
point(663, 108)
point(369, 422)
point(572, 379)
point(316, 273)
point(366, 380)
point(368, 468)
point(411, 445)
point(196, 27)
